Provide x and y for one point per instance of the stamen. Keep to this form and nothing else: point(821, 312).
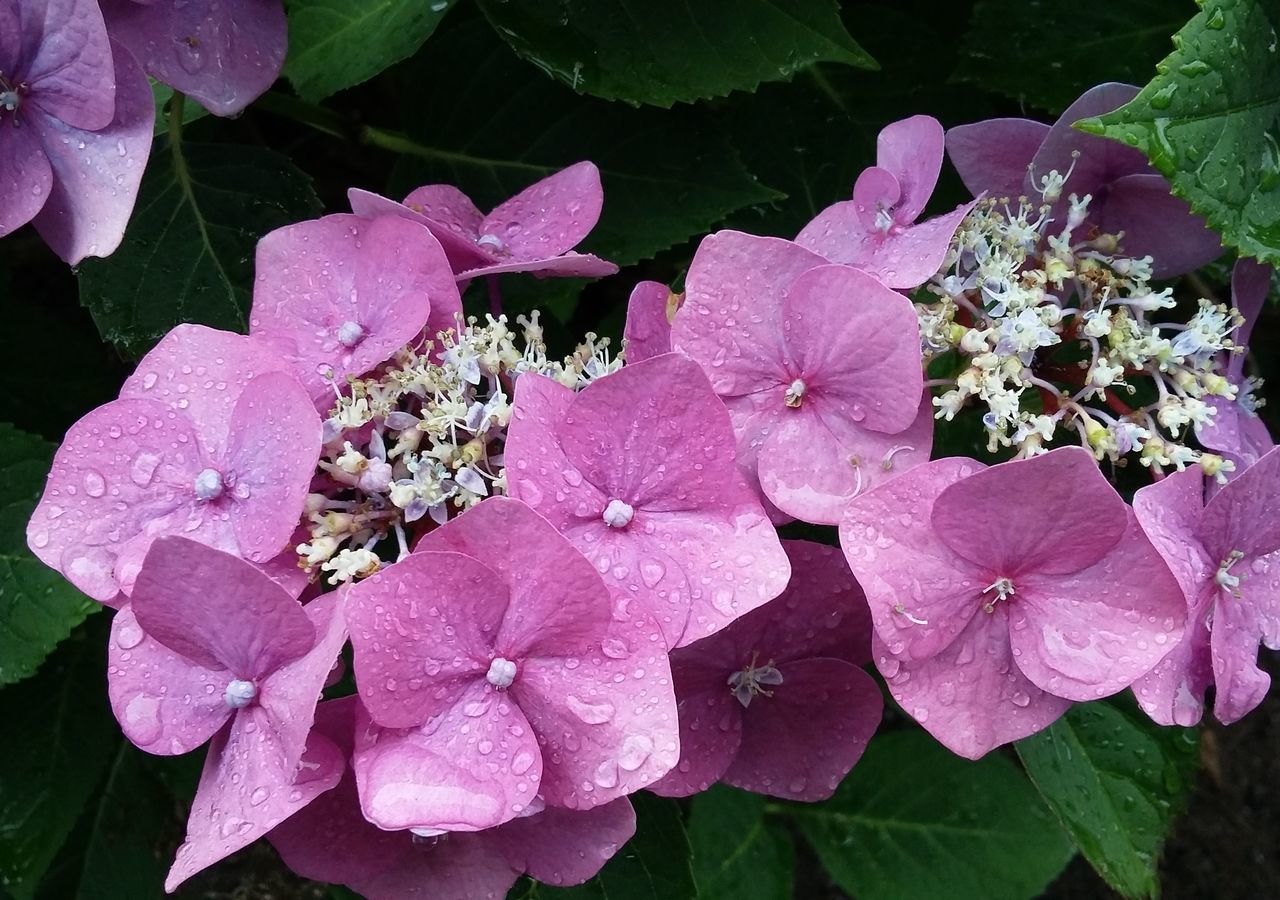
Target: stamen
point(240, 694)
point(1004, 590)
point(795, 394)
point(208, 484)
point(502, 672)
point(618, 514)
point(491, 242)
point(350, 334)
point(902, 611)
point(887, 462)
point(747, 683)
point(1225, 580)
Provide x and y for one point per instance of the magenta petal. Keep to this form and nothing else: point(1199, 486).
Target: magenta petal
point(1157, 224)
point(248, 624)
point(551, 216)
point(459, 866)
point(710, 727)
point(992, 156)
point(423, 633)
point(972, 696)
point(841, 232)
point(912, 150)
point(876, 193)
point(25, 178)
point(564, 847)
point(648, 329)
point(913, 255)
point(96, 174)
point(474, 766)
point(1239, 435)
point(454, 230)
point(1245, 515)
point(568, 265)
point(1173, 692)
point(449, 208)
point(245, 791)
point(1250, 285)
point(823, 611)
point(1239, 684)
point(225, 53)
point(68, 64)
point(1050, 514)
point(799, 743)
point(179, 718)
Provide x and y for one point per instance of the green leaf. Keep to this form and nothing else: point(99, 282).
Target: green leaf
point(191, 109)
point(188, 253)
point(335, 44)
point(1116, 781)
point(38, 607)
point(492, 131)
point(737, 854)
point(1114, 42)
point(1210, 121)
point(912, 821)
point(57, 740)
point(672, 50)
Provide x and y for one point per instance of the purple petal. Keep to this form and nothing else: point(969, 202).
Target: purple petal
point(992, 156)
point(550, 217)
point(1157, 224)
point(66, 59)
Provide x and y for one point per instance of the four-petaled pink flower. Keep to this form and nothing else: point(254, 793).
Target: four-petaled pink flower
point(494, 671)
point(224, 53)
point(818, 364)
point(1226, 555)
point(338, 295)
point(210, 647)
point(1000, 595)
point(212, 438)
point(331, 841)
point(535, 231)
point(777, 703)
point(876, 231)
point(1008, 158)
point(638, 472)
point(76, 116)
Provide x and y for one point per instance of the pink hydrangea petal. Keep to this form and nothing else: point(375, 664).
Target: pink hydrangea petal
point(845, 232)
point(458, 866)
point(1239, 684)
point(1169, 512)
point(245, 791)
point(224, 53)
point(710, 733)
point(447, 206)
point(739, 278)
point(1250, 285)
point(912, 149)
point(823, 611)
point(972, 696)
point(992, 156)
point(423, 633)
point(1051, 514)
point(564, 847)
point(454, 230)
point(1237, 434)
point(343, 293)
point(476, 765)
point(754, 417)
point(1094, 632)
point(912, 255)
point(123, 474)
point(1157, 224)
point(165, 704)
point(551, 216)
point(1245, 515)
point(1101, 161)
point(820, 493)
point(648, 329)
point(247, 623)
point(877, 190)
point(25, 178)
point(1173, 692)
point(568, 265)
point(96, 174)
point(67, 62)
point(921, 593)
point(799, 743)
point(602, 738)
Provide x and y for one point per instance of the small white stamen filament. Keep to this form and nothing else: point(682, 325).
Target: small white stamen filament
point(902, 611)
point(1004, 590)
point(208, 484)
point(502, 672)
point(747, 683)
point(1228, 582)
point(795, 394)
point(887, 462)
point(240, 694)
point(618, 514)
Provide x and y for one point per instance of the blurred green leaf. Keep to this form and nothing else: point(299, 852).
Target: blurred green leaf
point(1116, 780)
point(737, 853)
point(191, 109)
point(1210, 121)
point(913, 821)
point(188, 253)
point(663, 51)
point(38, 607)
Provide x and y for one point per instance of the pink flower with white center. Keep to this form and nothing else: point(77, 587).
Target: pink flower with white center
point(777, 702)
point(534, 231)
point(819, 366)
point(1226, 555)
point(212, 438)
point(877, 230)
point(1000, 595)
point(331, 841)
point(638, 472)
point(650, 311)
point(224, 53)
point(210, 647)
point(494, 672)
point(340, 294)
point(76, 117)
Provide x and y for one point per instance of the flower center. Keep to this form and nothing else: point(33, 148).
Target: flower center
point(795, 393)
point(240, 694)
point(1003, 588)
point(501, 673)
point(11, 95)
point(208, 484)
point(618, 514)
point(1228, 582)
point(350, 334)
point(491, 242)
point(884, 219)
point(752, 680)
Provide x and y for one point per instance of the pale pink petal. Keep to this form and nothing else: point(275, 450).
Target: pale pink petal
point(563, 847)
point(68, 62)
point(971, 697)
point(1239, 684)
point(992, 156)
point(801, 741)
point(876, 194)
point(96, 174)
point(1101, 160)
point(455, 228)
point(1049, 514)
point(25, 178)
point(910, 256)
point(1173, 692)
point(754, 416)
point(423, 632)
point(845, 232)
point(224, 53)
point(448, 207)
point(1157, 224)
point(912, 150)
point(648, 330)
point(218, 610)
point(165, 703)
point(1245, 515)
point(548, 218)
point(568, 265)
point(476, 765)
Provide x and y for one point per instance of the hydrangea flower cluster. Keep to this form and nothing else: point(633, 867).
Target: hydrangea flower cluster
point(561, 579)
